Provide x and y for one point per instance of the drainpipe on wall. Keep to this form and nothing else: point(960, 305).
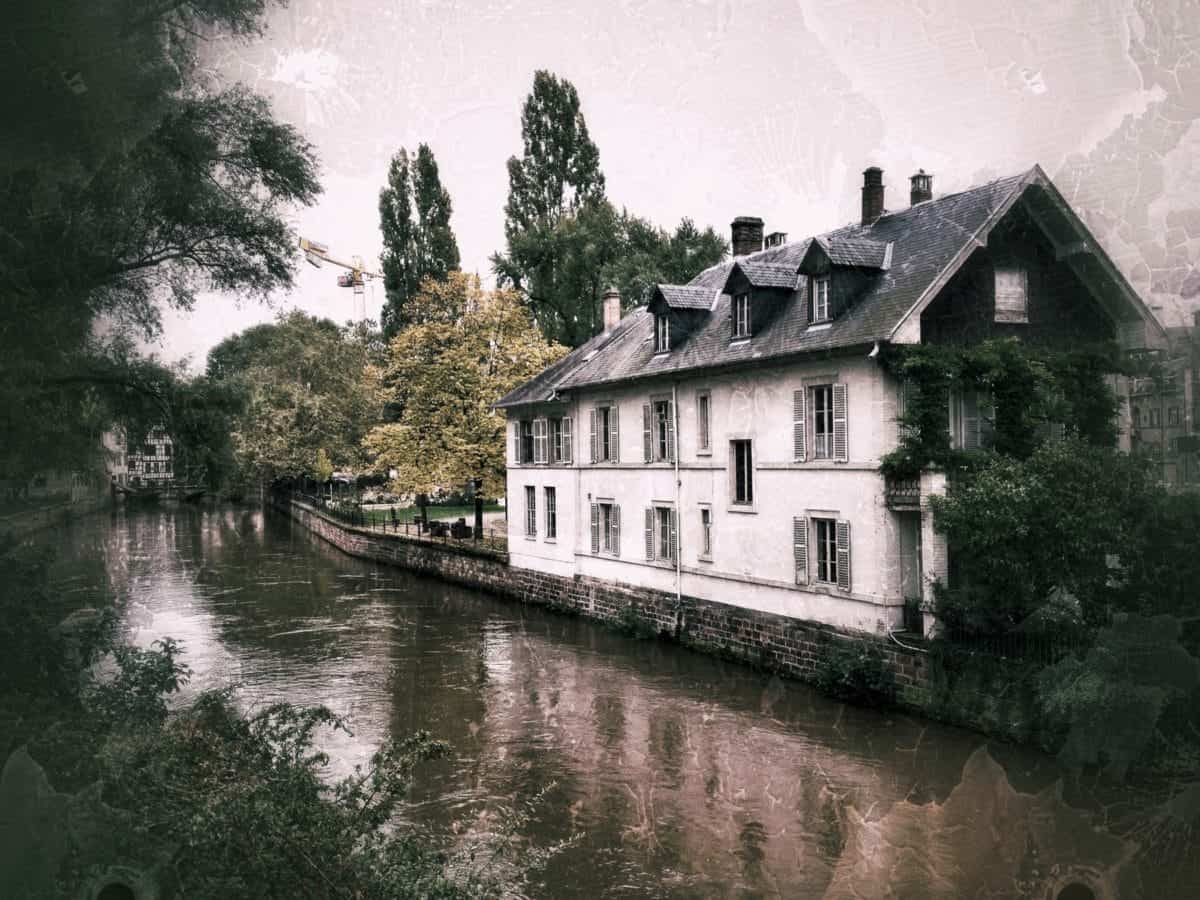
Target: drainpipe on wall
point(678, 514)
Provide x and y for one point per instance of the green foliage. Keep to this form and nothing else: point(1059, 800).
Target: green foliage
point(241, 801)
point(135, 185)
point(1030, 388)
point(1023, 533)
point(310, 387)
point(855, 672)
point(567, 244)
point(413, 250)
point(470, 348)
point(1108, 704)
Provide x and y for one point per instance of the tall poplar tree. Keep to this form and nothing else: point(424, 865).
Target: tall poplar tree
point(557, 177)
point(415, 248)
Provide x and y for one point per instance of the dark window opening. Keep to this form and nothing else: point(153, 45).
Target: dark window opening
point(743, 472)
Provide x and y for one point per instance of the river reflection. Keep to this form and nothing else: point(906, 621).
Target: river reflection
point(682, 776)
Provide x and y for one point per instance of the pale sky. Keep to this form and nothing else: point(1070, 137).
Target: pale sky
point(713, 109)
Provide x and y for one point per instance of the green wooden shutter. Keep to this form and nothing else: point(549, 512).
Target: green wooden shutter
point(595, 528)
point(843, 555)
point(647, 433)
point(649, 532)
point(840, 448)
point(674, 520)
point(798, 426)
point(567, 449)
point(800, 548)
point(539, 441)
point(516, 443)
point(593, 418)
point(615, 537)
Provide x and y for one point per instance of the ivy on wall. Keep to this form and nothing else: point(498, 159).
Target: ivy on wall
point(1031, 389)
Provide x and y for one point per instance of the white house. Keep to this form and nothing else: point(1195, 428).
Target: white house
point(724, 442)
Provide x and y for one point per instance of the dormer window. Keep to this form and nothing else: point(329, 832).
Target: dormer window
point(662, 333)
point(820, 299)
point(741, 316)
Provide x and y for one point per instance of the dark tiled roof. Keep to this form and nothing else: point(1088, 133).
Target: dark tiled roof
point(854, 251)
point(682, 296)
point(925, 240)
point(768, 275)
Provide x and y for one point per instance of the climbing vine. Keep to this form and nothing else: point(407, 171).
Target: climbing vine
point(1031, 389)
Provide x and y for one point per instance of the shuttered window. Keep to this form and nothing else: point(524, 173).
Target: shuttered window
point(822, 447)
point(658, 431)
point(832, 539)
point(605, 437)
point(560, 440)
point(606, 528)
point(662, 533)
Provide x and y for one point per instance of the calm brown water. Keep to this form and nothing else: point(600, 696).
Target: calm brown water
point(680, 775)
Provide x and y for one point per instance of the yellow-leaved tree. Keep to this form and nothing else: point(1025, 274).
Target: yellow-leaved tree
point(467, 349)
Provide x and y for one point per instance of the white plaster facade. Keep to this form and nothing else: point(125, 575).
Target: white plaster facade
point(752, 562)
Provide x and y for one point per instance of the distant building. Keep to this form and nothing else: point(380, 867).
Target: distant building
point(1164, 408)
point(150, 463)
point(724, 441)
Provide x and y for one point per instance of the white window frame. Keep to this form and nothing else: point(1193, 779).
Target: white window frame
point(822, 441)
point(734, 465)
point(551, 503)
point(704, 423)
point(820, 305)
point(607, 518)
point(825, 550)
point(741, 315)
point(1011, 293)
point(662, 333)
point(530, 511)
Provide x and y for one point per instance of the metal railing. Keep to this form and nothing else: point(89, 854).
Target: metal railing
point(388, 521)
point(902, 492)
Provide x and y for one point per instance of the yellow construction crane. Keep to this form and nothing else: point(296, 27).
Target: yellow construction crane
point(317, 253)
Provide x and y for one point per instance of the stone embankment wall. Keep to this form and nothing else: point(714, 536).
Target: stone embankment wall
point(775, 643)
point(27, 521)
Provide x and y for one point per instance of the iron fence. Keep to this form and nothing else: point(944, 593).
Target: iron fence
point(413, 527)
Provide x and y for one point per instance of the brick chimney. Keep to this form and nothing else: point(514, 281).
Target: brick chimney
point(612, 309)
point(922, 188)
point(872, 195)
point(747, 235)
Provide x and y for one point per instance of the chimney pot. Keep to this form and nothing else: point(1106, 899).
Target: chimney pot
point(747, 235)
point(872, 195)
point(612, 309)
point(922, 188)
point(776, 238)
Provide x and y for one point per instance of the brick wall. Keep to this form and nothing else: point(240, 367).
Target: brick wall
point(772, 642)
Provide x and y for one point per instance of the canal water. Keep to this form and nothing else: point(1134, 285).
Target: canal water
point(638, 768)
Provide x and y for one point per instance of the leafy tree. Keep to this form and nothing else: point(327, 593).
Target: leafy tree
point(649, 255)
point(310, 387)
point(557, 177)
point(471, 347)
point(133, 185)
point(413, 250)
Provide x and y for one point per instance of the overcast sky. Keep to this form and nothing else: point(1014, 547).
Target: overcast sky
point(713, 109)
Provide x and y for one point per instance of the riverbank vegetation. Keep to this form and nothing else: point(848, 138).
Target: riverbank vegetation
point(1070, 562)
point(192, 796)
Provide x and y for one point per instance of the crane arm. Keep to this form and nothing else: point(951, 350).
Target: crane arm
point(313, 250)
